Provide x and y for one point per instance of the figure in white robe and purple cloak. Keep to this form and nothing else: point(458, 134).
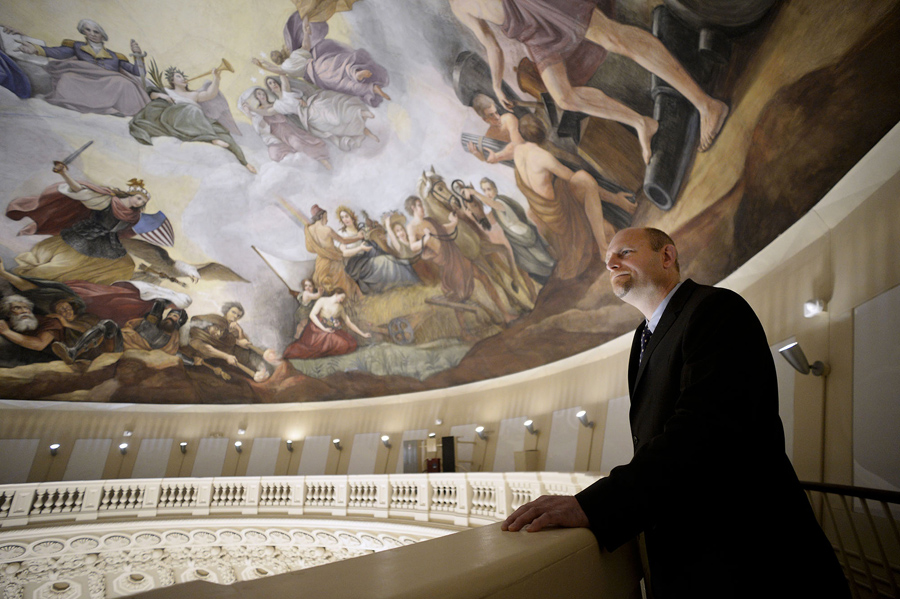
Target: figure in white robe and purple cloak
point(328, 64)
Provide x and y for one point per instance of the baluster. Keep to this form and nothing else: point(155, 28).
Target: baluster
point(58, 501)
point(77, 497)
point(37, 503)
point(68, 500)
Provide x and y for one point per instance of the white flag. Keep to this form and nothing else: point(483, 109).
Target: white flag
point(291, 272)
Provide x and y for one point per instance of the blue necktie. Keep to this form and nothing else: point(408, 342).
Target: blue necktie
point(645, 339)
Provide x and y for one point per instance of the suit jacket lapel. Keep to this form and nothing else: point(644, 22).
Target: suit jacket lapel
point(676, 304)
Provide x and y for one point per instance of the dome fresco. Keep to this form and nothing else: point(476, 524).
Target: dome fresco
point(277, 201)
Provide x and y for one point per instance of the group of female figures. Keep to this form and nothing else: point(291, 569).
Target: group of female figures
point(347, 264)
point(291, 122)
point(320, 92)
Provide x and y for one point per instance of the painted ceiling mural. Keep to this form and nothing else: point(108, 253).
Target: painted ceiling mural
point(243, 202)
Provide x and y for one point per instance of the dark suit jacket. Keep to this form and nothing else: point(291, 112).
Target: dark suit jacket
point(710, 484)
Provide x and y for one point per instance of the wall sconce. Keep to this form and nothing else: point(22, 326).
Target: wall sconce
point(432, 435)
point(583, 419)
point(438, 422)
point(479, 430)
point(529, 426)
point(337, 444)
point(290, 444)
point(54, 449)
point(238, 446)
point(793, 353)
point(123, 448)
point(183, 446)
point(127, 433)
point(813, 307)
point(242, 431)
point(386, 440)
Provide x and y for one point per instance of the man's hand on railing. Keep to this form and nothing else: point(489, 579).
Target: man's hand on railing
point(547, 510)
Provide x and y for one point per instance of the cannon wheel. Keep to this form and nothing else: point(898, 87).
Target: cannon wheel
point(401, 331)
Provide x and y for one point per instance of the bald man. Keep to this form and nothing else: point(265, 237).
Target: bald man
point(710, 485)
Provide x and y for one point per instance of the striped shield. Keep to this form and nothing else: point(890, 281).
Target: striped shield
point(156, 229)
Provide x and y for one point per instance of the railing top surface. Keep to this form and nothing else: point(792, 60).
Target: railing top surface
point(858, 492)
point(533, 477)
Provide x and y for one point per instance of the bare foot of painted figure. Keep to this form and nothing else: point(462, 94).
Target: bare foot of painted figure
point(711, 120)
point(645, 133)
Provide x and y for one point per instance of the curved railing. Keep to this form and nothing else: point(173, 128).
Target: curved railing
point(862, 525)
point(462, 499)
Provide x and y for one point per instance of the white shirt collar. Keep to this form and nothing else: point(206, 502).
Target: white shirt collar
point(657, 314)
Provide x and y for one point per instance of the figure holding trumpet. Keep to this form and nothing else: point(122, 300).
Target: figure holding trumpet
point(177, 111)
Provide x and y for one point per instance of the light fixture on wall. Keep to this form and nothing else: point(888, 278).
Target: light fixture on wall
point(438, 422)
point(583, 419)
point(183, 446)
point(290, 444)
point(242, 431)
point(813, 307)
point(127, 433)
point(54, 449)
point(479, 430)
point(386, 440)
point(123, 448)
point(337, 444)
point(238, 446)
point(432, 435)
point(793, 353)
point(529, 426)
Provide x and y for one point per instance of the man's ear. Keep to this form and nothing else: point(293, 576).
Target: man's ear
point(670, 255)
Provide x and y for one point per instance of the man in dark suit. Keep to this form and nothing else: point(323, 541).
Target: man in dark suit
point(710, 485)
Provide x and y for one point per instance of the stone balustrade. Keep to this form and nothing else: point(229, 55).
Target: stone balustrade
point(460, 499)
